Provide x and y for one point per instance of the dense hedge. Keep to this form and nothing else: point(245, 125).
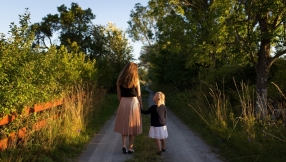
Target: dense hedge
point(31, 75)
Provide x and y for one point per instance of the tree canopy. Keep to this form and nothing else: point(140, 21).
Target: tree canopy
point(73, 28)
point(209, 35)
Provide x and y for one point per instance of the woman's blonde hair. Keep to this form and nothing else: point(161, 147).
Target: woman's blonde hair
point(128, 77)
point(161, 97)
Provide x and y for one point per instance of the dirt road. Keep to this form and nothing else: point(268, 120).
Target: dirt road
point(105, 146)
point(182, 145)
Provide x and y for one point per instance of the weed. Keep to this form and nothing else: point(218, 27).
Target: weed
point(66, 129)
point(231, 128)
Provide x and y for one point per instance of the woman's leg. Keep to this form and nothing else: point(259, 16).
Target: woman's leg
point(131, 141)
point(124, 137)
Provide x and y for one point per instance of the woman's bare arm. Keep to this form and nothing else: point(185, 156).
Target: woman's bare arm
point(139, 94)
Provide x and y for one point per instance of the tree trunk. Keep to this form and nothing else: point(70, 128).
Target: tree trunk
point(262, 71)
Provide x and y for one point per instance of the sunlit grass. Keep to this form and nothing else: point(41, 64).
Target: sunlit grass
point(62, 139)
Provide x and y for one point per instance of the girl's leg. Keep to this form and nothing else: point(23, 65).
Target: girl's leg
point(158, 144)
point(163, 143)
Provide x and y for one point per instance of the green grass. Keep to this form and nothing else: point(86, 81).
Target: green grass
point(107, 109)
point(243, 142)
point(67, 149)
point(145, 147)
point(66, 146)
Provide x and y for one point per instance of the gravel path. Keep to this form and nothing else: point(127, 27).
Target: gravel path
point(182, 145)
point(105, 146)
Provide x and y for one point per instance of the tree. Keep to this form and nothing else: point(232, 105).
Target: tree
point(117, 44)
point(105, 44)
point(142, 26)
point(219, 32)
point(183, 36)
point(261, 34)
point(167, 55)
point(45, 30)
point(73, 24)
point(97, 45)
point(117, 53)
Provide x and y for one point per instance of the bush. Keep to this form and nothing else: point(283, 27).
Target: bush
point(31, 75)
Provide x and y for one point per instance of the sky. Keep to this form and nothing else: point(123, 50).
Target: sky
point(116, 11)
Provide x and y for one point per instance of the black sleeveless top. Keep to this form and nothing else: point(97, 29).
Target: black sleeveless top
point(128, 92)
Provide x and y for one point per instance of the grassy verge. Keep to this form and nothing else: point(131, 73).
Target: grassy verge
point(236, 136)
point(145, 147)
point(65, 138)
point(108, 107)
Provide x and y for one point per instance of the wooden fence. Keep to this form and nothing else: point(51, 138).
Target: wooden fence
point(22, 132)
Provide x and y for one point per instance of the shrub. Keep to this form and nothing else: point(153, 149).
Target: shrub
point(31, 75)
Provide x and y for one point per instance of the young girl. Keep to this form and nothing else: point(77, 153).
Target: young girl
point(158, 128)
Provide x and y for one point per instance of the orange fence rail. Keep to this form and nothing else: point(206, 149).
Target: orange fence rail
point(20, 134)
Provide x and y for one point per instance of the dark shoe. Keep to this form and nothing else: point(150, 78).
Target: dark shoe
point(130, 151)
point(163, 150)
point(159, 153)
point(124, 150)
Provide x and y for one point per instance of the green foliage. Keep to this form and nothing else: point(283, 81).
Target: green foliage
point(226, 75)
point(118, 52)
point(211, 53)
point(142, 25)
point(277, 76)
point(31, 76)
point(66, 137)
point(238, 136)
point(143, 75)
point(168, 68)
point(211, 36)
point(74, 25)
point(107, 45)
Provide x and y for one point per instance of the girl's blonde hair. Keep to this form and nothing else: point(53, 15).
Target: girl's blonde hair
point(161, 97)
point(128, 77)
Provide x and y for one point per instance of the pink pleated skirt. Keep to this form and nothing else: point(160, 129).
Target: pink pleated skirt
point(128, 117)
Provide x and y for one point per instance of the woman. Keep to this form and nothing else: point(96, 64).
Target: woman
point(128, 118)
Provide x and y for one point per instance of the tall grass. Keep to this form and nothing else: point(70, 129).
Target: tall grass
point(64, 130)
point(216, 103)
point(226, 120)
